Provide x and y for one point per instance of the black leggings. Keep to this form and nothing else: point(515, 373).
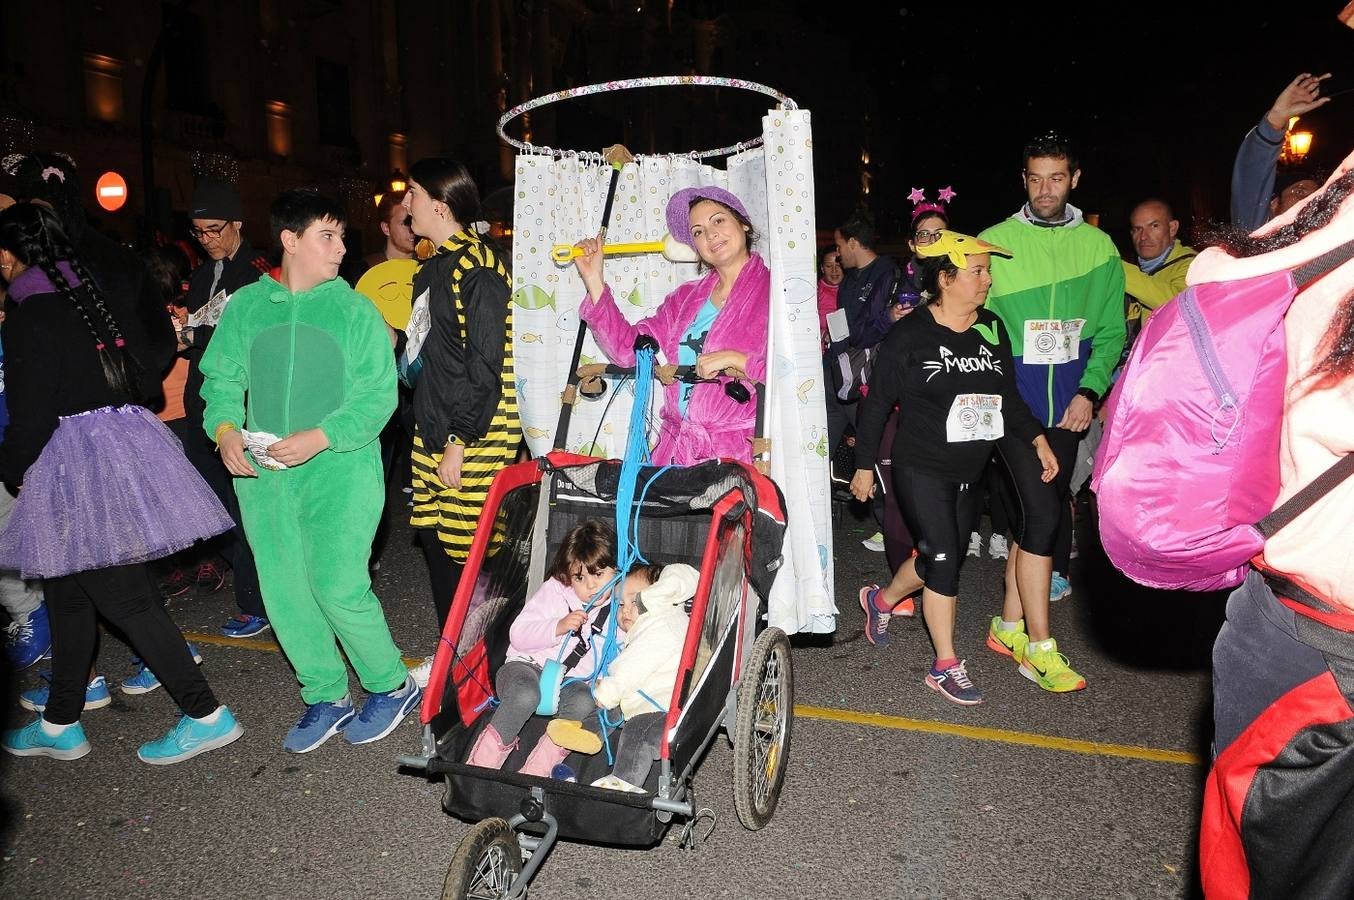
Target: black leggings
point(1042, 512)
point(443, 571)
point(125, 596)
point(940, 514)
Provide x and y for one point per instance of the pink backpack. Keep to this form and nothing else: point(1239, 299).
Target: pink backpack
point(1188, 469)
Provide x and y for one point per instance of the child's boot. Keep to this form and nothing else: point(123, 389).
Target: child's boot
point(544, 757)
point(489, 750)
point(570, 734)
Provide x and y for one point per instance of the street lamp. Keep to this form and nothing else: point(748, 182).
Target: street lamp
point(398, 185)
point(1296, 144)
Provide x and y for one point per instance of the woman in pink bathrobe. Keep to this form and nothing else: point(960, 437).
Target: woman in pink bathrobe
point(716, 323)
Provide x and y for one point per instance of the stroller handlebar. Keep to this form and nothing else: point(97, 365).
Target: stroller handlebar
point(665, 373)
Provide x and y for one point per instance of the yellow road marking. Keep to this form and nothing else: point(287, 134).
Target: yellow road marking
point(254, 643)
point(853, 717)
point(998, 735)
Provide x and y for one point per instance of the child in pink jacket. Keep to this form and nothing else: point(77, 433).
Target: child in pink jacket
point(557, 614)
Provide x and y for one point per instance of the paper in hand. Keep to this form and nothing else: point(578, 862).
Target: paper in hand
point(256, 444)
point(837, 328)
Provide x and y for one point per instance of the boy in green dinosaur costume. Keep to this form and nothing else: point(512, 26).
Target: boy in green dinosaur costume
point(314, 360)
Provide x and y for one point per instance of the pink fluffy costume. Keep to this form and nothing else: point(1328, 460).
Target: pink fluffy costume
point(714, 425)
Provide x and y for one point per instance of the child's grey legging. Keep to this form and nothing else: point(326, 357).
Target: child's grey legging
point(518, 685)
point(638, 745)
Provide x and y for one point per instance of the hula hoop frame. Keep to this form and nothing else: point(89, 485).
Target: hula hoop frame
point(631, 84)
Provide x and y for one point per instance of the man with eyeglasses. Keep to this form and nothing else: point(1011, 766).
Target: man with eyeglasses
point(217, 216)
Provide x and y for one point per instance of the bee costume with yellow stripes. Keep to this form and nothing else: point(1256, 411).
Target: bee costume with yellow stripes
point(466, 392)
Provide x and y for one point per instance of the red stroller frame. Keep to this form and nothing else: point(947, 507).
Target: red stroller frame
point(722, 517)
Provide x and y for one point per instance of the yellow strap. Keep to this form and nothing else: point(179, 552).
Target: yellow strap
point(222, 429)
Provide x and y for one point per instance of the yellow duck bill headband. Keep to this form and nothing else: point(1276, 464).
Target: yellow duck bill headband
point(959, 247)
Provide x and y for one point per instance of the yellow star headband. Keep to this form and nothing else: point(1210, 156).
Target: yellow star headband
point(958, 247)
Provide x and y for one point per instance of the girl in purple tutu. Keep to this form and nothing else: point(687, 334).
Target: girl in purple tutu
point(102, 486)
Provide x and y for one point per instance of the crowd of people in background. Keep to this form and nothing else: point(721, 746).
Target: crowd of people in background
point(155, 407)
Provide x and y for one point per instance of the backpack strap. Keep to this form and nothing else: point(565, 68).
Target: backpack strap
point(581, 648)
point(1304, 499)
point(1311, 271)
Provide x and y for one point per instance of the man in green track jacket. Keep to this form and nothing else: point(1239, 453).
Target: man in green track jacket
point(1061, 298)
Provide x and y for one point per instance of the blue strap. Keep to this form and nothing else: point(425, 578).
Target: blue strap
point(651, 700)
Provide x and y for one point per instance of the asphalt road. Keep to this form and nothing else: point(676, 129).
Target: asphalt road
point(1093, 794)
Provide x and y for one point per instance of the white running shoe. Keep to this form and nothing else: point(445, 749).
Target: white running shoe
point(975, 544)
point(998, 547)
point(422, 672)
point(874, 542)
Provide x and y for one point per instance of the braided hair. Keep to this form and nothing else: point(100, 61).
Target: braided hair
point(33, 233)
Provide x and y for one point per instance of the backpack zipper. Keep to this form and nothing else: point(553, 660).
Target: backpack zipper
point(1203, 348)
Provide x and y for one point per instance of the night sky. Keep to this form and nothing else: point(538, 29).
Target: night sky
point(1158, 97)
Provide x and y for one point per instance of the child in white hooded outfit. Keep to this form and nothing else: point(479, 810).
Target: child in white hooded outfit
point(639, 682)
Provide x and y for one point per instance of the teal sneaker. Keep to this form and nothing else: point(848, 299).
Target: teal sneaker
point(1059, 588)
point(144, 681)
point(96, 694)
point(31, 740)
point(189, 738)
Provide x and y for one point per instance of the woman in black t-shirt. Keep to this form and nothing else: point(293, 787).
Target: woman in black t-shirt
point(949, 368)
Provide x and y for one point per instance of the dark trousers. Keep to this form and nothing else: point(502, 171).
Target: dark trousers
point(443, 571)
point(998, 491)
point(888, 508)
point(233, 545)
point(839, 415)
point(125, 596)
point(1043, 512)
point(397, 442)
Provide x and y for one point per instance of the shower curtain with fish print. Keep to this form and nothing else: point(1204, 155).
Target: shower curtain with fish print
point(560, 200)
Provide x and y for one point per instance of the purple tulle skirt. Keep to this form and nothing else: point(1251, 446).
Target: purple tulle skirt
point(112, 487)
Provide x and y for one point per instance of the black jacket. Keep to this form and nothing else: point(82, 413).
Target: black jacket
point(246, 267)
point(462, 381)
point(52, 367)
point(121, 273)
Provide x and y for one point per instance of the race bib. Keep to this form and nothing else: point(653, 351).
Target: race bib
point(1052, 341)
point(974, 417)
point(210, 312)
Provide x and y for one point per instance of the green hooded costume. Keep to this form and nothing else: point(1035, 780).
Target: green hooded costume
point(318, 359)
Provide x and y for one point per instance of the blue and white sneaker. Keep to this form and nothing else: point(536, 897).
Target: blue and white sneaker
point(319, 723)
point(954, 685)
point(96, 694)
point(189, 738)
point(382, 713)
point(29, 639)
point(31, 740)
point(245, 626)
point(144, 680)
point(1059, 588)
